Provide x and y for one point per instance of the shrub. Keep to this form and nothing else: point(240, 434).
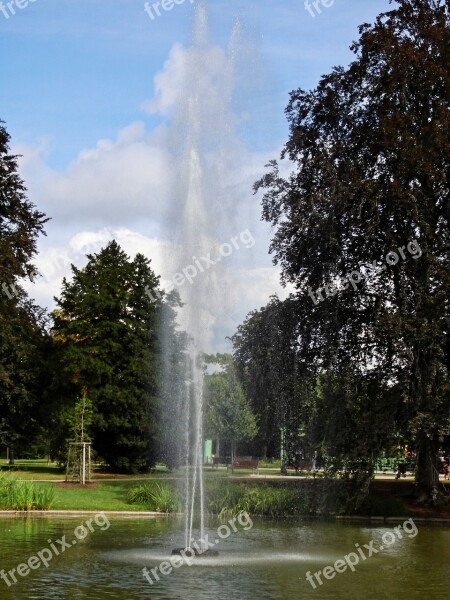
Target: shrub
point(222, 497)
point(158, 497)
point(24, 495)
point(225, 499)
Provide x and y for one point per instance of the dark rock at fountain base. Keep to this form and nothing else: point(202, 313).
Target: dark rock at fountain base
point(193, 552)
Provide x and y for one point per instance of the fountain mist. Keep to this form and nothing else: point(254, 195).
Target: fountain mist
point(202, 140)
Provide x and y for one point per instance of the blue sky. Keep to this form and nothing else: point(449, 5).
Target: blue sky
point(79, 70)
point(76, 79)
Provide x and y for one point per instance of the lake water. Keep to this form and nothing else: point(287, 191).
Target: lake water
point(267, 560)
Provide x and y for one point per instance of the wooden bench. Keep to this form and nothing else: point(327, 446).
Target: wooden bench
point(244, 463)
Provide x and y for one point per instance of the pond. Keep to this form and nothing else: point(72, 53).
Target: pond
point(258, 559)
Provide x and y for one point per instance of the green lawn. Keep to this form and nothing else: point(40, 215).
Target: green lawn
point(42, 470)
point(33, 469)
point(104, 496)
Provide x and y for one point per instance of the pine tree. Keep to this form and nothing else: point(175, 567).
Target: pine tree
point(22, 323)
point(107, 325)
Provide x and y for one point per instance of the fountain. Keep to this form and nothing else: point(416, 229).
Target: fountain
point(198, 126)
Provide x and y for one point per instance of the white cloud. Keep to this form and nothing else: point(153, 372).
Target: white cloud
point(131, 189)
point(168, 83)
point(116, 182)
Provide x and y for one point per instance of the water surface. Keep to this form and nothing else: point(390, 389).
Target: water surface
point(270, 560)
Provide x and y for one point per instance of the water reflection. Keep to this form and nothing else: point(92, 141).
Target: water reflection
point(269, 561)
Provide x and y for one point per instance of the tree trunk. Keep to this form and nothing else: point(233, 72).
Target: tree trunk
point(427, 473)
point(11, 456)
point(218, 448)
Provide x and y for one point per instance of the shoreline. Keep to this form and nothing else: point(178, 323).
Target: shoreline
point(376, 520)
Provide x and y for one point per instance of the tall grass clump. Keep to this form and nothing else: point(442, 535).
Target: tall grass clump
point(222, 498)
point(24, 495)
point(156, 496)
point(266, 501)
point(225, 498)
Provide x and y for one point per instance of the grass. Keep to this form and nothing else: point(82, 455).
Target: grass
point(33, 469)
point(103, 496)
point(225, 498)
point(157, 496)
point(109, 496)
point(226, 494)
point(41, 469)
point(16, 494)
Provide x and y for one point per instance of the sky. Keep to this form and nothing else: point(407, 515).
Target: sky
point(91, 90)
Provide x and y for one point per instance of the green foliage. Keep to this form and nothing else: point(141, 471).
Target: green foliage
point(20, 222)
point(107, 327)
point(371, 154)
point(173, 391)
point(156, 496)
point(352, 421)
point(24, 495)
point(266, 501)
point(314, 498)
point(222, 497)
point(81, 419)
point(228, 415)
point(22, 324)
point(278, 385)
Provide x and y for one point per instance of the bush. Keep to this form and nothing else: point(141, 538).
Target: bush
point(225, 498)
point(157, 496)
point(24, 495)
point(313, 498)
point(222, 497)
point(268, 501)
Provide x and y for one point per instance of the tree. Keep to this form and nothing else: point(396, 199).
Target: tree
point(81, 419)
point(20, 222)
point(79, 454)
point(174, 405)
point(228, 414)
point(279, 388)
point(107, 325)
point(22, 324)
point(370, 196)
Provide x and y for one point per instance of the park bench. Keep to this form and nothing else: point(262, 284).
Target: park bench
point(244, 463)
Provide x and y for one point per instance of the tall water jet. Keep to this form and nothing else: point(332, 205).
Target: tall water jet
point(202, 126)
point(194, 241)
point(194, 224)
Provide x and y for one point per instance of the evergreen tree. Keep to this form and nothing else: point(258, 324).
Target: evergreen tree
point(22, 324)
point(175, 400)
point(107, 325)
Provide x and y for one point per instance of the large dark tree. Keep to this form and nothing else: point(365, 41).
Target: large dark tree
point(371, 154)
point(267, 361)
point(108, 325)
point(22, 324)
point(343, 419)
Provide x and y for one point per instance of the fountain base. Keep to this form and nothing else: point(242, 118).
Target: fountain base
point(193, 552)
